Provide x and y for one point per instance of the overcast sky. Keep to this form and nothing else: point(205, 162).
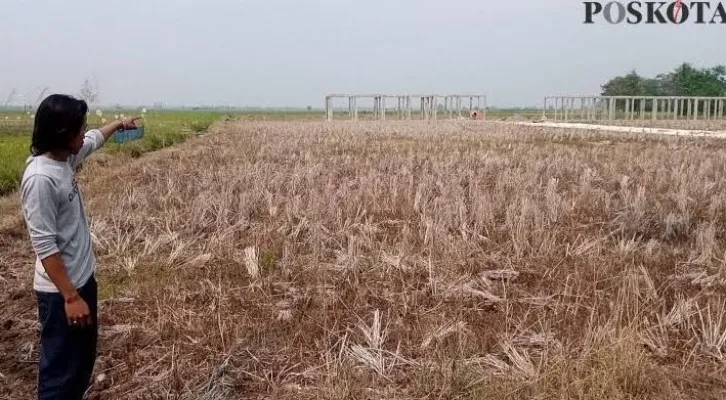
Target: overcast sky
point(293, 52)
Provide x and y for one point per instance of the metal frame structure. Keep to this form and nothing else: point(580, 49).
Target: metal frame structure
point(594, 108)
point(428, 109)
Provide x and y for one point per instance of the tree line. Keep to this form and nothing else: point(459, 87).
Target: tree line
point(684, 80)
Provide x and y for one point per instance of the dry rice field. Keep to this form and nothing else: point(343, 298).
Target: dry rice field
point(454, 260)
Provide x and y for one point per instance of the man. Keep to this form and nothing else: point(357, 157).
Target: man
point(64, 281)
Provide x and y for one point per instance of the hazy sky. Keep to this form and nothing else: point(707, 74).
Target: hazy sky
point(292, 52)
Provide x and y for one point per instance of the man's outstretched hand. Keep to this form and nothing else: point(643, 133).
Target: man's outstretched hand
point(120, 124)
point(129, 122)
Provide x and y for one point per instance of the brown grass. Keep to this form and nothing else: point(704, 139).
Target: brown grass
point(405, 260)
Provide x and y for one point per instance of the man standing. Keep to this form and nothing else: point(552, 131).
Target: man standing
point(64, 281)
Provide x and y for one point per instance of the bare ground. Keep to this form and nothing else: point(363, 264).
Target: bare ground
point(405, 260)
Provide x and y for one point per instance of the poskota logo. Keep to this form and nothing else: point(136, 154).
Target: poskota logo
point(656, 12)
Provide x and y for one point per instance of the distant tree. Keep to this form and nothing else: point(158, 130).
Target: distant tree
point(88, 92)
point(631, 84)
point(689, 81)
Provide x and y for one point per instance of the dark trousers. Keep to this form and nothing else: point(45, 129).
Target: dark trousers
point(67, 354)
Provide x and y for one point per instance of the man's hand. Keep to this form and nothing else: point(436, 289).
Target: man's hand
point(129, 122)
point(77, 312)
point(123, 123)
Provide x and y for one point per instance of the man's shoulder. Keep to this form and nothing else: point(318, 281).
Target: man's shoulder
point(38, 167)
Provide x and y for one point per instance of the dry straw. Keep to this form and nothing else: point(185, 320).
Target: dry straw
point(405, 260)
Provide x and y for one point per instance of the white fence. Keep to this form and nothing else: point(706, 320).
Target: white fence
point(601, 108)
point(431, 105)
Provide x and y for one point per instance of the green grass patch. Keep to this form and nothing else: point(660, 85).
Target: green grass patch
point(162, 129)
point(14, 150)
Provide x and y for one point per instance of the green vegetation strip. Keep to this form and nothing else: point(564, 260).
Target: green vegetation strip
point(162, 129)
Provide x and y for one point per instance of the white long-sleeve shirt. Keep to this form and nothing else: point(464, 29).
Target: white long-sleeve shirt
point(55, 214)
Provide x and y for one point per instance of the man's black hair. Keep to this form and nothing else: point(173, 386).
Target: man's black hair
point(59, 118)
